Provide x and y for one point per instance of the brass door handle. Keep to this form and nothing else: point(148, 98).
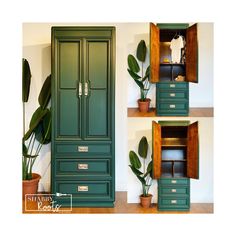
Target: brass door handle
point(86, 89)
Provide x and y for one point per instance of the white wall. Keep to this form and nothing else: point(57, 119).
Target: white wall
point(202, 189)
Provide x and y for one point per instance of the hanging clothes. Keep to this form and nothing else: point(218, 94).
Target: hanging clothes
point(176, 45)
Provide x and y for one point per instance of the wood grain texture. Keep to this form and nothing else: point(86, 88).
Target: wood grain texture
point(192, 151)
point(154, 53)
point(156, 149)
point(121, 206)
point(193, 112)
point(192, 54)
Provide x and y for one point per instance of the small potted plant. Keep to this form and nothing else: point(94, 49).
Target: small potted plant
point(39, 132)
point(143, 173)
point(138, 75)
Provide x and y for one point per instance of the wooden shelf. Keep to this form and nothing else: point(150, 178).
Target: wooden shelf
point(172, 64)
point(173, 142)
point(173, 160)
point(193, 112)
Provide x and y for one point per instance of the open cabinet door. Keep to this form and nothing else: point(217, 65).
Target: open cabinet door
point(156, 149)
point(193, 151)
point(154, 53)
point(192, 54)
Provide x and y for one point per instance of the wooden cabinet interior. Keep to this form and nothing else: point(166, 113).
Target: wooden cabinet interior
point(175, 150)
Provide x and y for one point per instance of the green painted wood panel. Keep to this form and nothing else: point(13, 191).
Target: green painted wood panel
point(97, 116)
point(69, 64)
point(69, 118)
point(83, 167)
point(97, 57)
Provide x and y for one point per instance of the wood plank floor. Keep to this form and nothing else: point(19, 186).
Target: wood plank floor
point(121, 206)
point(193, 112)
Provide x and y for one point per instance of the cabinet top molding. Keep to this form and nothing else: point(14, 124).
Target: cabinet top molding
point(173, 25)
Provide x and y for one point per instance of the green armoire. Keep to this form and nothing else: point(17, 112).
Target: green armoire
point(175, 162)
point(172, 96)
point(83, 116)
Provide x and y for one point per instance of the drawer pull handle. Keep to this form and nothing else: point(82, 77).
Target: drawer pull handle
point(172, 105)
point(82, 188)
point(82, 166)
point(86, 89)
point(172, 85)
point(173, 181)
point(173, 190)
point(173, 201)
point(82, 148)
point(172, 94)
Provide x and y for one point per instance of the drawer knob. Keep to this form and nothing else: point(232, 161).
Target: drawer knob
point(172, 94)
point(82, 148)
point(82, 188)
point(172, 105)
point(173, 201)
point(173, 181)
point(172, 85)
point(173, 190)
point(82, 166)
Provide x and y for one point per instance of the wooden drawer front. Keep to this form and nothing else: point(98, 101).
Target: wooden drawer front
point(83, 167)
point(173, 95)
point(173, 85)
point(172, 106)
point(84, 149)
point(174, 190)
point(173, 203)
point(85, 190)
point(173, 181)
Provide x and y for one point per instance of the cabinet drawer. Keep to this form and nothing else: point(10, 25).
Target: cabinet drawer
point(174, 190)
point(173, 85)
point(84, 149)
point(173, 106)
point(173, 181)
point(86, 190)
point(83, 167)
point(173, 95)
point(173, 203)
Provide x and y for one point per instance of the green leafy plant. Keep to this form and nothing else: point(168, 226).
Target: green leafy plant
point(142, 173)
point(39, 132)
point(137, 73)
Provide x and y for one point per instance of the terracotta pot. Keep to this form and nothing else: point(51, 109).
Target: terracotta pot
point(144, 105)
point(146, 201)
point(30, 186)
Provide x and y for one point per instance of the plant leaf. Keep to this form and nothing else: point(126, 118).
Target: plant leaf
point(139, 83)
point(142, 180)
point(35, 120)
point(133, 64)
point(134, 75)
point(141, 51)
point(135, 171)
point(149, 169)
point(24, 149)
point(134, 160)
point(45, 93)
point(143, 147)
point(26, 80)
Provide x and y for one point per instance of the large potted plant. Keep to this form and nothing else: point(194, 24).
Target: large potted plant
point(39, 131)
point(142, 172)
point(140, 77)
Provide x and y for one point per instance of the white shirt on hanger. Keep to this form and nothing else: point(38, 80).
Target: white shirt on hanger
point(175, 46)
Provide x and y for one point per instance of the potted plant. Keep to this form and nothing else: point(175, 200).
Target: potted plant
point(39, 132)
point(143, 175)
point(140, 78)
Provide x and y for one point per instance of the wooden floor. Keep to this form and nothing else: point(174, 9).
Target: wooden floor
point(193, 112)
point(121, 206)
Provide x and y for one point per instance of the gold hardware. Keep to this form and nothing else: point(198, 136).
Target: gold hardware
point(172, 105)
point(173, 190)
point(172, 85)
point(172, 94)
point(82, 188)
point(80, 89)
point(174, 181)
point(173, 201)
point(82, 166)
point(82, 148)
point(86, 89)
